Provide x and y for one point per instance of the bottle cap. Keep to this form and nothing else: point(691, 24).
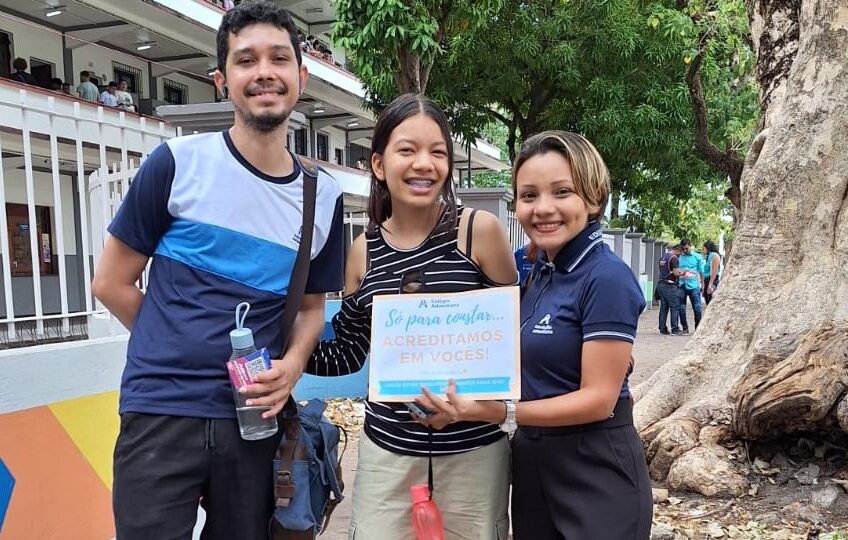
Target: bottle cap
point(241, 338)
point(419, 493)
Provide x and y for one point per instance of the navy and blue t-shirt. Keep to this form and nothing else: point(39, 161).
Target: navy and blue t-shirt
point(585, 293)
point(668, 263)
point(524, 265)
point(220, 232)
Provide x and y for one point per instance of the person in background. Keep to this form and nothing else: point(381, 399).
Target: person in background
point(669, 272)
point(419, 240)
point(125, 99)
point(578, 467)
point(21, 74)
point(691, 266)
point(712, 270)
point(66, 88)
point(87, 90)
point(56, 84)
point(109, 96)
point(525, 257)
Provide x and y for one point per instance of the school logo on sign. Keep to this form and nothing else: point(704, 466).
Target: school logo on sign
point(544, 326)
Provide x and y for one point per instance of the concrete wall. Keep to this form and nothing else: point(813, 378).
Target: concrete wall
point(337, 140)
point(99, 59)
point(34, 41)
point(198, 92)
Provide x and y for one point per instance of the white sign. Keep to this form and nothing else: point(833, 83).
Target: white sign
point(425, 339)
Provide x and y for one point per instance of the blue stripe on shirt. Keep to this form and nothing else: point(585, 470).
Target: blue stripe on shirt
point(248, 260)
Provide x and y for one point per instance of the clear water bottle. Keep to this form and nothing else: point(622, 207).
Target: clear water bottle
point(252, 425)
point(426, 517)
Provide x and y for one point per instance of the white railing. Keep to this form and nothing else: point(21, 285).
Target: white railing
point(49, 144)
point(106, 190)
point(516, 235)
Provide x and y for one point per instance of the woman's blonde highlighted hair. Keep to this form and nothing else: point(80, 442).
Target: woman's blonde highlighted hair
point(588, 170)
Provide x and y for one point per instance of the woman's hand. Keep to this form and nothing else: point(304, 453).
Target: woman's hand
point(437, 421)
point(462, 409)
point(456, 408)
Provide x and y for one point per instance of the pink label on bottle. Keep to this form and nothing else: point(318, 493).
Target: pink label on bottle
point(243, 371)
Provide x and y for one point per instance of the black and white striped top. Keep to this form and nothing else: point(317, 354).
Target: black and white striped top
point(445, 269)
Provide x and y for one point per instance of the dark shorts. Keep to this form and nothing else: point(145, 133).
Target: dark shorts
point(581, 482)
point(165, 465)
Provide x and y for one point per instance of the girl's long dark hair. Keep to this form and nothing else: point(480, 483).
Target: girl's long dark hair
point(710, 245)
point(403, 107)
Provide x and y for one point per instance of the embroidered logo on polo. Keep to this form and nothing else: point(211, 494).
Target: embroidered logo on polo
point(544, 326)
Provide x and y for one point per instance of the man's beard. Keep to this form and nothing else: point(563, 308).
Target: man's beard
point(265, 122)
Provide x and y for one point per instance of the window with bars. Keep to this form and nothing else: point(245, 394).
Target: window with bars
point(175, 93)
point(132, 75)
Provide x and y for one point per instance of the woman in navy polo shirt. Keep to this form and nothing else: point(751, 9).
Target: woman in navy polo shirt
point(579, 469)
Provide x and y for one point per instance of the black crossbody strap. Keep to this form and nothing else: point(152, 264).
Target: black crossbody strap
point(297, 283)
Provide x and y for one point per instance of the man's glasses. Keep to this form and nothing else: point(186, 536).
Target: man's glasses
point(411, 282)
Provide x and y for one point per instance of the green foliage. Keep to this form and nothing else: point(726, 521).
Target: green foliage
point(494, 133)
point(704, 215)
point(718, 30)
point(387, 38)
point(587, 66)
point(614, 70)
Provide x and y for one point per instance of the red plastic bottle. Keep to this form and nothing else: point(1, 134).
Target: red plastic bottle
point(426, 517)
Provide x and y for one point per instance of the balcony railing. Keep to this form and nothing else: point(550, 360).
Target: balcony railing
point(50, 143)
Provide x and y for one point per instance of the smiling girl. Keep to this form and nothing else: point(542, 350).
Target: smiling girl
point(579, 469)
point(419, 240)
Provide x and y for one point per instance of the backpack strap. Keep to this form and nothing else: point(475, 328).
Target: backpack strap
point(308, 165)
point(297, 284)
point(290, 449)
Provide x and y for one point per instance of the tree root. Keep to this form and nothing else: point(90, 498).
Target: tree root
point(797, 393)
point(791, 384)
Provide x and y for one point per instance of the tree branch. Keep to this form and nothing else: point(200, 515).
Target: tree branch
point(427, 68)
point(728, 161)
point(498, 116)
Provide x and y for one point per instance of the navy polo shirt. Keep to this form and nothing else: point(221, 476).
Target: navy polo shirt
point(585, 293)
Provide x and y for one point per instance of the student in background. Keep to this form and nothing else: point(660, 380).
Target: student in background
point(21, 74)
point(669, 272)
point(690, 283)
point(712, 270)
point(125, 99)
point(109, 96)
point(87, 90)
point(525, 257)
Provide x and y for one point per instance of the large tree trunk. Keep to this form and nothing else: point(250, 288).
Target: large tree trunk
point(771, 355)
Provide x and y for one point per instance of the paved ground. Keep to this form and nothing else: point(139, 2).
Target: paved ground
point(652, 349)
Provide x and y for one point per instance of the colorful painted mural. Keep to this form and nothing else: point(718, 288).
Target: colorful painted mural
point(56, 458)
point(60, 457)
